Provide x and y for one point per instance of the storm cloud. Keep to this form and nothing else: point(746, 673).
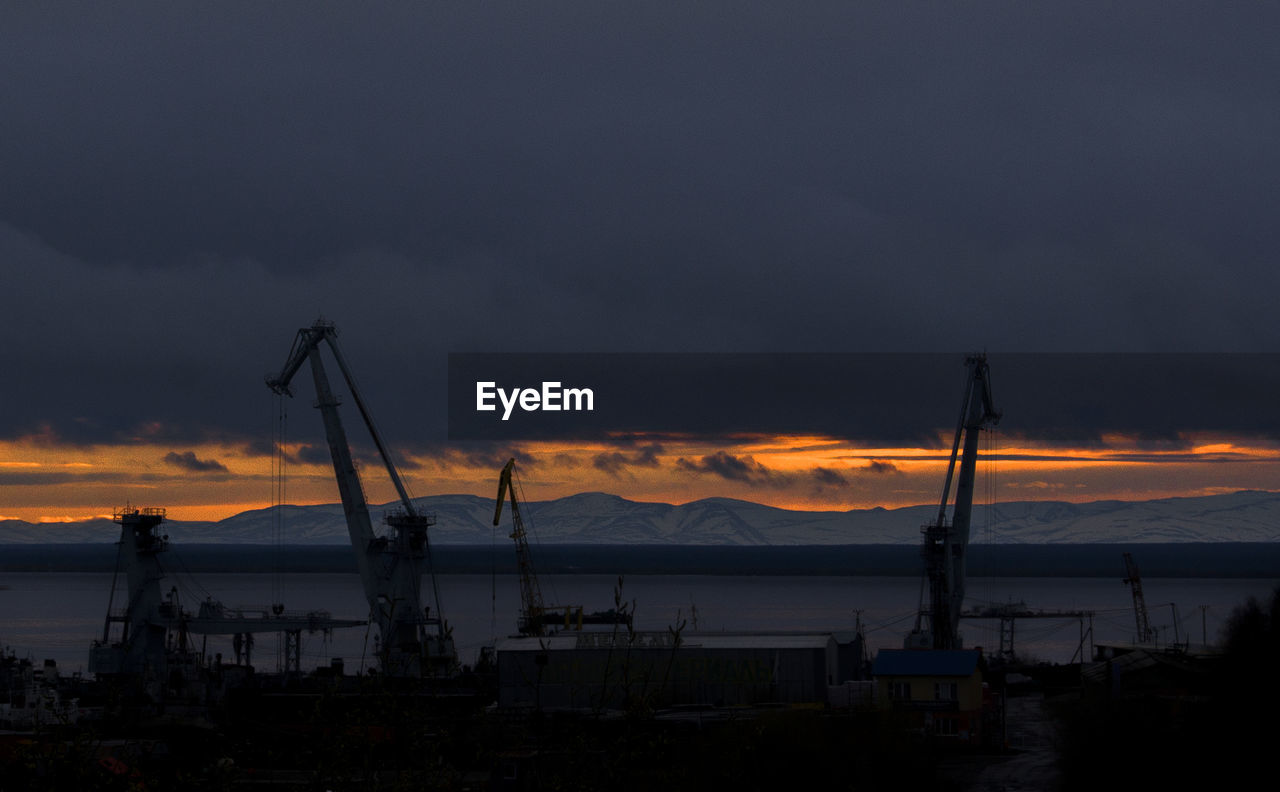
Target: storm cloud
point(880, 467)
point(616, 462)
point(189, 462)
point(186, 184)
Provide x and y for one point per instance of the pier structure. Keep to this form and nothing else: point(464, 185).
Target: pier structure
point(1009, 613)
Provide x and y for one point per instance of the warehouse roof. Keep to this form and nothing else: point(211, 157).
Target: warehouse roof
point(926, 662)
point(654, 640)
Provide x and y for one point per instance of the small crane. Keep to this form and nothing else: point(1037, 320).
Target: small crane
point(1133, 579)
point(531, 604)
point(535, 615)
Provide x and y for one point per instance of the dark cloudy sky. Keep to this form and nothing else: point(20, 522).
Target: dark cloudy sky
point(183, 185)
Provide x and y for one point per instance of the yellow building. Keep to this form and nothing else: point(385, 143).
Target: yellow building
point(940, 688)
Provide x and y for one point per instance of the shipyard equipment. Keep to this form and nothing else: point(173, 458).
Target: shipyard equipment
point(532, 608)
point(535, 615)
point(1133, 579)
point(946, 542)
point(414, 642)
point(140, 642)
point(147, 642)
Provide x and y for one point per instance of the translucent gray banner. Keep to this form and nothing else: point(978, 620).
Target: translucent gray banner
point(887, 399)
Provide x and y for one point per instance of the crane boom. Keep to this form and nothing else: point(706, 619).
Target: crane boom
point(304, 347)
point(946, 544)
point(390, 566)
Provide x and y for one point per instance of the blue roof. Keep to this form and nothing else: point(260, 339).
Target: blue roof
point(926, 662)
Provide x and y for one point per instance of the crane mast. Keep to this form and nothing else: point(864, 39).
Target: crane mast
point(946, 543)
point(531, 604)
point(390, 566)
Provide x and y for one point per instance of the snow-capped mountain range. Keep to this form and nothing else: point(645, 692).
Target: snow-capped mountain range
point(599, 519)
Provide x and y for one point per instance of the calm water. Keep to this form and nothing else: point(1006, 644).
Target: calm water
point(56, 615)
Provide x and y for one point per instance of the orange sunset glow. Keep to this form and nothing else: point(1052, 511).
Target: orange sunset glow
point(47, 482)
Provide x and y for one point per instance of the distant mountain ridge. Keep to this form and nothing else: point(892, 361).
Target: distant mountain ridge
point(595, 518)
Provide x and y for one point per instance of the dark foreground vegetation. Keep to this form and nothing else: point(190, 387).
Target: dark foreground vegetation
point(1210, 729)
point(393, 742)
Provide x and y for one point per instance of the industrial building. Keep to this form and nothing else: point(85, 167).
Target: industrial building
point(598, 671)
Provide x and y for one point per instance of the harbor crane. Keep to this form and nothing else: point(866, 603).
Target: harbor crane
point(1133, 579)
point(946, 543)
point(532, 608)
point(414, 642)
point(535, 615)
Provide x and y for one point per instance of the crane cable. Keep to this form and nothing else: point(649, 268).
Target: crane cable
point(279, 478)
point(493, 584)
point(988, 527)
point(279, 482)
